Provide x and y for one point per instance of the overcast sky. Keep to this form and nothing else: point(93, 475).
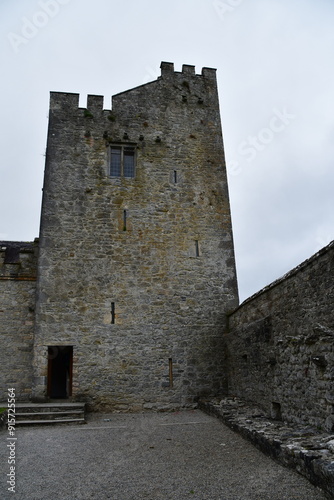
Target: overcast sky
point(274, 61)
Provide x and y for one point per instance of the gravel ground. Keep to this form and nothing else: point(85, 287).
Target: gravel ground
point(151, 456)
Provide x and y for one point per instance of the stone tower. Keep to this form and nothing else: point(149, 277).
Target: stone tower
point(136, 267)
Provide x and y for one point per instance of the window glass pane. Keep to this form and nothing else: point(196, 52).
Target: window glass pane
point(115, 162)
point(129, 162)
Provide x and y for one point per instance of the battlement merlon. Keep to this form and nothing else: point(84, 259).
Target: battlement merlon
point(63, 100)
point(167, 69)
point(69, 101)
point(60, 101)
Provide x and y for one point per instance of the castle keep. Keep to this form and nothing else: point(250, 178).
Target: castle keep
point(136, 267)
point(128, 300)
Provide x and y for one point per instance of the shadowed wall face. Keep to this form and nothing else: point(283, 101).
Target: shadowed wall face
point(280, 345)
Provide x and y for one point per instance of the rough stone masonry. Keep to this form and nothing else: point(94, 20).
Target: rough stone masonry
point(136, 267)
point(136, 274)
point(18, 267)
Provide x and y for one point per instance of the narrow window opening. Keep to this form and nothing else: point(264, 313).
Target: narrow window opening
point(170, 372)
point(112, 310)
point(12, 255)
point(175, 177)
point(124, 220)
point(196, 248)
point(276, 412)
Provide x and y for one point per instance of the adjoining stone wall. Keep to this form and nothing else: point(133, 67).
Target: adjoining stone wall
point(280, 345)
point(18, 266)
point(137, 274)
point(3, 419)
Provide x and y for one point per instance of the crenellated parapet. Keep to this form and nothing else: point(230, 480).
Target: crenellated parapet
point(67, 101)
point(178, 107)
point(167, 69)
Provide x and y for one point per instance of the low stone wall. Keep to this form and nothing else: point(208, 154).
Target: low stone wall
point(280, 345)
point(3, 419)
point(305, 449)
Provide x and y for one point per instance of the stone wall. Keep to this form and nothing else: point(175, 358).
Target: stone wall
point(137, 274)
point(280, 345)
point(17, 305)
point(3, 419)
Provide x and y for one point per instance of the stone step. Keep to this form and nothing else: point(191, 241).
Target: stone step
point(47, 413)
point(47, 405)
point(53, 421)
point(55, 413)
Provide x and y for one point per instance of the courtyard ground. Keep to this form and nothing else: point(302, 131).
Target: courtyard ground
point(150, 456)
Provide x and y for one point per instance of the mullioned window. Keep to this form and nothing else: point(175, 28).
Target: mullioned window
point(122, 161)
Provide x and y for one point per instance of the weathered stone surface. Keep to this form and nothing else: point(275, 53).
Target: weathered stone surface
point(280, 345)
point(3, 419)
point(303, 448)
point(18, 267)
point(137, 274)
